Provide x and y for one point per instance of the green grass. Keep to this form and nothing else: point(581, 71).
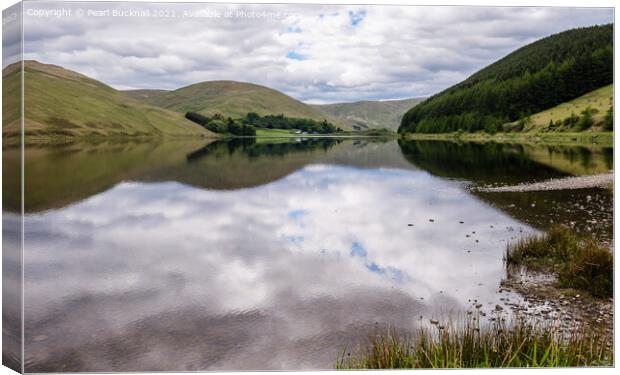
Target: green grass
point(61, 103)
point(519, 344)
point(579, 262)
point(275, 133)
point(599, 101)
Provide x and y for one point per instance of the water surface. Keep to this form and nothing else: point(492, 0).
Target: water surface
point(275, 254)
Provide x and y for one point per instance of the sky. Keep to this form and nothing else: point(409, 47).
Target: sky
point(314, 53)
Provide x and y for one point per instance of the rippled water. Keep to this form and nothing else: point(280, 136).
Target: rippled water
point(268, 255)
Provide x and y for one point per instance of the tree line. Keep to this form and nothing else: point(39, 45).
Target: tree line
point(282, 122)
point(218, 124)
point(247, 125)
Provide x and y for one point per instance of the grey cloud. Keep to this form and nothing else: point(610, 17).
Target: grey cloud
point(130, 48)
point(395, 52)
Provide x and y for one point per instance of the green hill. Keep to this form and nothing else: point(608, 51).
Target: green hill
point(598, 102)
point(541, 75)
point(370, 114)
point(144, 94)
point(63, 103)
point(232, 99)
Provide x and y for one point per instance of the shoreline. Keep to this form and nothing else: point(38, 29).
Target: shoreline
point(599, 139)
point(28, 140)
point(602, 180)
point(603, 139)
point(565, 309)
point(568, 307)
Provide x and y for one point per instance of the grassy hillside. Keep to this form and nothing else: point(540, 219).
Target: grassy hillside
point(232, 99)
point(62, 103)
point(144, 94)
point(370, 114)
point(536, 77)
point(598, 102)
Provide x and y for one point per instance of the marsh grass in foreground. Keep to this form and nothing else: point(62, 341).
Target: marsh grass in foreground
point(520, 344)
point(579, 262)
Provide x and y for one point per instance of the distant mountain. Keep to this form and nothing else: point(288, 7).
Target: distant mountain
point(370, 114)
point(61, 102)
point(536, 77)
point(233, 99)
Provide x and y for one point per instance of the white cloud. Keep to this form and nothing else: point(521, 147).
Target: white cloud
point(336, 53)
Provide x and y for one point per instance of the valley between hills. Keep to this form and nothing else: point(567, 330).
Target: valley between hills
point(559, 88)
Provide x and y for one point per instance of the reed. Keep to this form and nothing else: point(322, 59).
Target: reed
point(518, 344)
point(579, 262)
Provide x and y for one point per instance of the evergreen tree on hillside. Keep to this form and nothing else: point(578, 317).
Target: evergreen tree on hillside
point(608, 122)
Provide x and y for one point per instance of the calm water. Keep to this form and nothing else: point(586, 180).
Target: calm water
point(271, 255)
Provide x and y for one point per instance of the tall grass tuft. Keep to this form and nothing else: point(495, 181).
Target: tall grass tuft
point(520, 344)
point(579, 262)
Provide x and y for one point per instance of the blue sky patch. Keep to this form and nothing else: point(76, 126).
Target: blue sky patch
point(297, 214)
point(357, 17)
point(296, 240)
point(357, 250)
point(293, 29)
point(295, 56)
point(374, 267)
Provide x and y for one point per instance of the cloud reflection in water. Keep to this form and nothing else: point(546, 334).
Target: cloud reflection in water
point(279, 276)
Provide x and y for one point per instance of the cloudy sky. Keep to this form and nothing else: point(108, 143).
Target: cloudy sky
point(315, 53)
